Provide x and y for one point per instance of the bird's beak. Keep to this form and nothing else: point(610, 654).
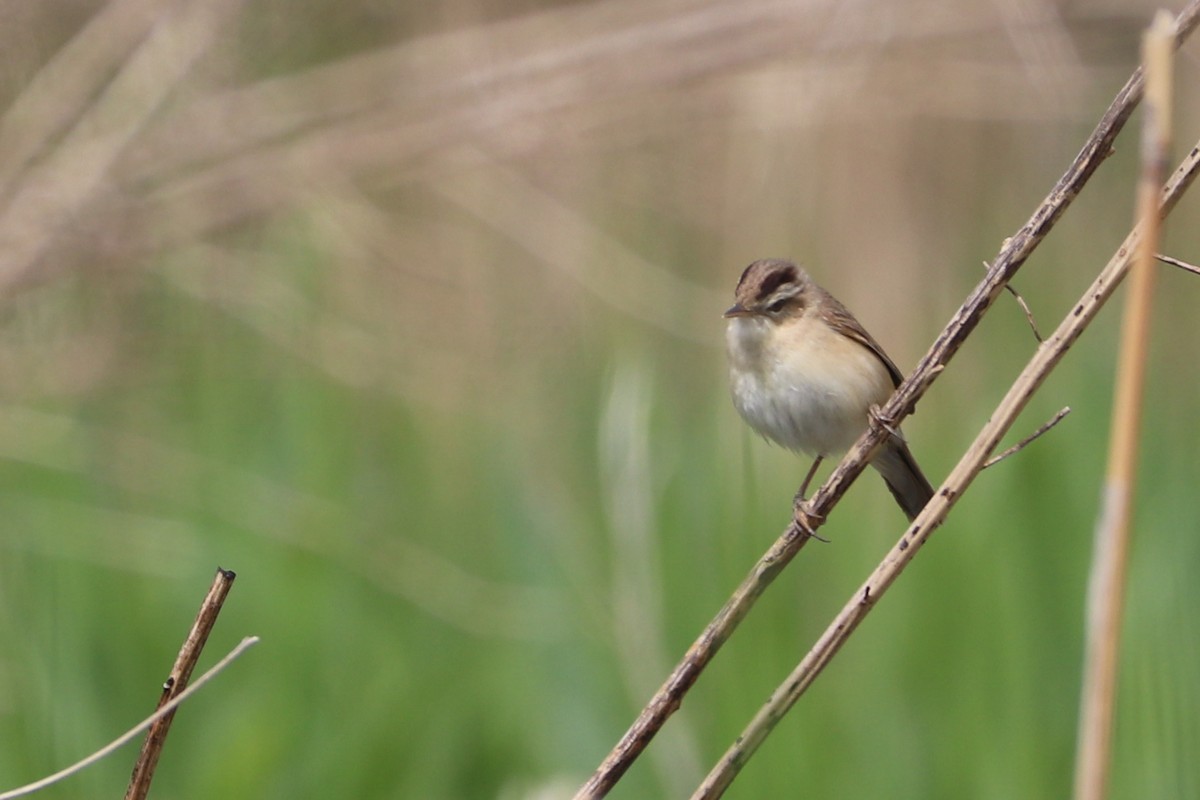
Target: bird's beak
point(736, 310)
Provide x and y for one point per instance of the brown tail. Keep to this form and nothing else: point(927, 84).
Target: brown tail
point(903, 477)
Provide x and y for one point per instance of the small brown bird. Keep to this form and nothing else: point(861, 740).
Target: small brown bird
point(805, 374)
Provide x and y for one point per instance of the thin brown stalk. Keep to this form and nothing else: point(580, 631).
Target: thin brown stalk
point(1015, 251)
point(1106, 586)
point(969, 466)
point(1028, 312)
point(1021, 445)
point(1175, 262)
point(177, 681)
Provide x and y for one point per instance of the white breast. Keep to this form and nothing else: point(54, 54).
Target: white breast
point(803, 385)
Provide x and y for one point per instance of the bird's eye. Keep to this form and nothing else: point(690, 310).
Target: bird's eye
point(777, 306)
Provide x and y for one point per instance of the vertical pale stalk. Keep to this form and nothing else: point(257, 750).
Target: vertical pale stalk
point(1106, 588)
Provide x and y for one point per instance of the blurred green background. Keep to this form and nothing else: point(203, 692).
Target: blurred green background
point(410, 315)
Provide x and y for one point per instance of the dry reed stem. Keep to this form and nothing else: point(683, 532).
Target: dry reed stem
point(125, 738)
point(1015, 251)
point(177, 681)
point(1106, 585)
point(969, 466)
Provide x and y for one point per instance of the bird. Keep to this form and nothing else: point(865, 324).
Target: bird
point(805, 374)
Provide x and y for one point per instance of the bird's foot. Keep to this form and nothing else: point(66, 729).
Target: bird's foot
point(807, 520)
point(876, 418)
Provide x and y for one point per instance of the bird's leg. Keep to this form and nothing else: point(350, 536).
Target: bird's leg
point(802, 514)
point(802, 494)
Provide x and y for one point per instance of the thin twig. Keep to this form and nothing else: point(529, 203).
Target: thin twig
point(1012, 256)
point(1021, 445)
point(177, 681)
point(1024, 307)
point(969, 466)
point(1175, 262)
point(1110, 557)
point(128, 736)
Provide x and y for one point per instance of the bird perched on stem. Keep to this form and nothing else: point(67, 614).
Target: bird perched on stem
point(805, 374)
